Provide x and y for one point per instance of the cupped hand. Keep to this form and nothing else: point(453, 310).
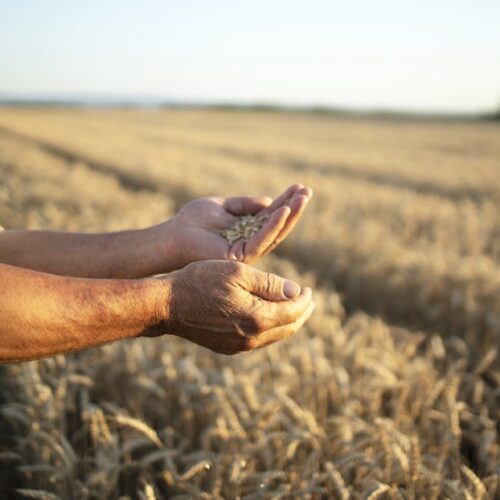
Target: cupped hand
point(230, 307)
point(197, 228)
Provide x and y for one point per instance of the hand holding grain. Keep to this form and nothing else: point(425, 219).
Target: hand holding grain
point(236, 228)
point(230, 307)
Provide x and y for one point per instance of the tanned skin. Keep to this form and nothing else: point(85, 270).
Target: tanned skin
point(193, 234)
point(63, 292)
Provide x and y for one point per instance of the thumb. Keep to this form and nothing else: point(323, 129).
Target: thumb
point(271, 287)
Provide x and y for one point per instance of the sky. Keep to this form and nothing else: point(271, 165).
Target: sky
point(427, 56)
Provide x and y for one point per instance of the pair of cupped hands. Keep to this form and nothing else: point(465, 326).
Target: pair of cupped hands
point(216, 299)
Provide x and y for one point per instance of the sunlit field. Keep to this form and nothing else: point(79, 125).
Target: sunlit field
point(391, 390)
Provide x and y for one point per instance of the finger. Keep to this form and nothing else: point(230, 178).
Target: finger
point(274, 314)
point(283, 332)
point(243, 205)
point(265, 236)
point(272, 306)
point(237, 250)
point(268, 286)
point(297, 208)
point(282, 199)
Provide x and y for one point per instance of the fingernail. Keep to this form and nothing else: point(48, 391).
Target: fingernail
point(291, 289)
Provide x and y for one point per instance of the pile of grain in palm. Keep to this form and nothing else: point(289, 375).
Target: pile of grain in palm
point(245, 227)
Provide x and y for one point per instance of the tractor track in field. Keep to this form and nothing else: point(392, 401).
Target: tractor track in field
point(378, 178)
point(127, 180)
point(130, 181)
point(136, 182)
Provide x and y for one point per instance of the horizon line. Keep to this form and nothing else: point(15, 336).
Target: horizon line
point(103, 101)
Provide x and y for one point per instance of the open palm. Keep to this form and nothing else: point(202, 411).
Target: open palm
point(198, 226)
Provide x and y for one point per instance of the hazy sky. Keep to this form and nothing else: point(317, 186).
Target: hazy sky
point(426, 55)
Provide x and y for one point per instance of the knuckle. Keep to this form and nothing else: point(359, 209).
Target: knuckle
point(258, 325)
point(270, 283)
point(247, 259)
point(252, 327)
point(235, 269)
point(256, 322)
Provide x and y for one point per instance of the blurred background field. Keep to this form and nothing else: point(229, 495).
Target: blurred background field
point(114, 114)
point(391, 390)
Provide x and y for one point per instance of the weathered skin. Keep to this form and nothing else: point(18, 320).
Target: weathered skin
point(59, 292)
point(237, 308)
point(193, 234)
point(225, 306)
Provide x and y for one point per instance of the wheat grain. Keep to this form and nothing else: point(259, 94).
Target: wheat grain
point(41, 494)
point(480, 490)
point(139, 426)
point(415, 459)
point(245, 227)
point(373, 399)
point(337, 481)
point(376, 492)
point(149, 492)
point(202, 466)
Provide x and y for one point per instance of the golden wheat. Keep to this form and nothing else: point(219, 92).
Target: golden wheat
point(354, 406)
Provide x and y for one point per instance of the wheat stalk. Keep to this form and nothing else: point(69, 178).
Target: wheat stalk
point(139, 426)
point(480, 489)
point(41, 494)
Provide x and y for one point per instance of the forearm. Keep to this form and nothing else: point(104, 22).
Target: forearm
point(124, 254)
point(42, 314)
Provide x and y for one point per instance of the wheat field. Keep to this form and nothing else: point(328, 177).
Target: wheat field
point(390, 391)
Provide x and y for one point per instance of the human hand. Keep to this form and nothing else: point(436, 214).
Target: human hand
point(230, 307)
point(196, 230)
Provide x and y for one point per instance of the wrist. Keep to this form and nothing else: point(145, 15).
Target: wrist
point(158, 293)
point(163, 247)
